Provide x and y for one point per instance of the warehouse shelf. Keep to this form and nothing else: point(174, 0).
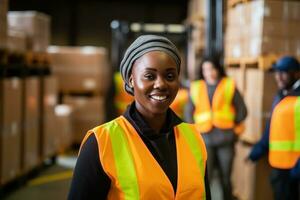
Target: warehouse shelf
point(233, 3)
point(263, 62)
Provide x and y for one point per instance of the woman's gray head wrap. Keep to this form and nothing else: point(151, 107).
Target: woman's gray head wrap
point(141, 46)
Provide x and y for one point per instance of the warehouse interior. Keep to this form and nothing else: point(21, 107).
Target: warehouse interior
point(59, 63)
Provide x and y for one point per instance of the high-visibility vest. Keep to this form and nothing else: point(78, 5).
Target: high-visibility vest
point(222, 113)
point(122, 99)
point(284, 143)
point(180, 101)
point(134, 172)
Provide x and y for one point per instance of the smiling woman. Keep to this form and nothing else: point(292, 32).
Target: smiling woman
point(148, 152)
point(155, 82)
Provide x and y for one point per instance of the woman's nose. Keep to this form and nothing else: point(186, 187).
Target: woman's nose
point(160, 83)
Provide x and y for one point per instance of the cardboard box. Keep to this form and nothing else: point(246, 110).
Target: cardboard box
point(250, 181)
point(197, 9)
point(63, 114)
point(262, 27)
point(235, 48)
point(88, 112)
point(256, 46)
point(10, 136)
point(3, 23)
point(279, 10)
point(81, 69)
point(260, 89)
point(16, 41)
point(238, 75)
point(49, 136)
point(198, 35)
point(35, 25)
point(31, 134)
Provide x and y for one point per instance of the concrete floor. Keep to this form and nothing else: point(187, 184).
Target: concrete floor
point(54, 182)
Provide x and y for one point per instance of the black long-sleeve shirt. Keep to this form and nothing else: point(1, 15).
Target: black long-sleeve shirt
point(91, 182)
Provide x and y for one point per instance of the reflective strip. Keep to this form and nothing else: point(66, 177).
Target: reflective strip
point(121, 105)
point(297, 121)
point(194, 91)
point(228, 90)
point(224, 115)
point(126, 174)
point(195, 148)
point(284, 146)
point(203, 117)
point(118, 82)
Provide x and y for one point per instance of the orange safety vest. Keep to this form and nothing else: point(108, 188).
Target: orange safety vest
point(122, 99)
point(284, 145)
point(134, 172)
point(222, 113)
point(180, 101)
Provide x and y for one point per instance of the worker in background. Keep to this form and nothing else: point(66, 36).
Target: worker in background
point(179, 103)
point(121, 98)
point(281, 138)
point(147, 153)
point(218, 109)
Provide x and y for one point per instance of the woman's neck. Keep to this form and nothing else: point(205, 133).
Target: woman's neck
point(155, 121)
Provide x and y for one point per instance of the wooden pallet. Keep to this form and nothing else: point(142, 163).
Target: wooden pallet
point(233, 3)
point(15, 58)
point(3, 56)
point(37, 58)
point(263, 62)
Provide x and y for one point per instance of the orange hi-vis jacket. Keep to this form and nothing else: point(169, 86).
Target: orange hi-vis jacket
point(134, 172)
point(284, 145)
point(180, 101)
point(221, 113)
point(122, 98)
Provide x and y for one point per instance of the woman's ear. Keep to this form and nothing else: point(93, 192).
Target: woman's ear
point(131, 83)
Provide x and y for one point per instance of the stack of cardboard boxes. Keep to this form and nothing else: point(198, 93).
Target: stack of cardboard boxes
point(35, 25)
point(197, 14)
point(29, 34)
point(262, 27)
point(3, 23)
point(83, 76)
point(10, 109)
point(11, 122)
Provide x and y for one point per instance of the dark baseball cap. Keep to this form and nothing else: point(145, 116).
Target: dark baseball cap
point(285, 64)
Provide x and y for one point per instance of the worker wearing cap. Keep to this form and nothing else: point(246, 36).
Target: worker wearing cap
point(281, 139)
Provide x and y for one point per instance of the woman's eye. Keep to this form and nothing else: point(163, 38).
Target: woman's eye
point(171, 76)
point(149, 76)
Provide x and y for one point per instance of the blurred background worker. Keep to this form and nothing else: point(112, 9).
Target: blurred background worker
point(218, 110)
point(121, 98)
point(181, 100)
point(282, 134)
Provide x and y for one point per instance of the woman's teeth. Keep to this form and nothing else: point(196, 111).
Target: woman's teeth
point(159, 98)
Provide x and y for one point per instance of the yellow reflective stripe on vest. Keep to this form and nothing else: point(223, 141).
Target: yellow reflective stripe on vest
point(121, 105)
point(228, 90)
point(284, 146)
point(203, 117)
point(297, 123)
point(195, 91)
point(191, 140)
point(225, 113)
point(290, 145)
point(124, 162)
